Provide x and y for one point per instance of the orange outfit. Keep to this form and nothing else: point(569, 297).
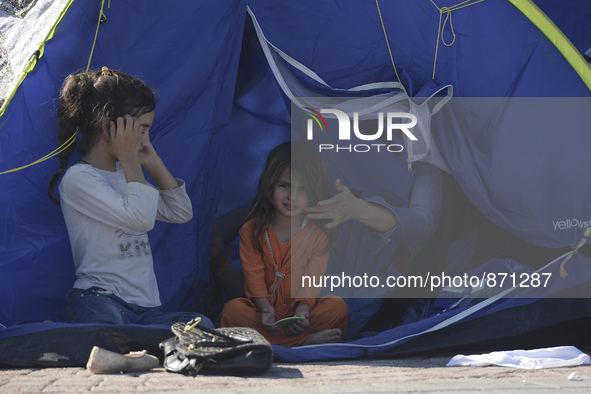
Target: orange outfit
point(262, 278)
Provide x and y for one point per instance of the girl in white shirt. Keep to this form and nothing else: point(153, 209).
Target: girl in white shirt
point(107, 204)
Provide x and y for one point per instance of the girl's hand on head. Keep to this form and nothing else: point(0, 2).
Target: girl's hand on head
point(147, 153)
point(125, 137)
point(342, 207)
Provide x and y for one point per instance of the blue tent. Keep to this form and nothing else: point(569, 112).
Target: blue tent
point(222, 106)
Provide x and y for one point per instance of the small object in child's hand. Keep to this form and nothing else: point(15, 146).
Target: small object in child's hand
point(289, 320)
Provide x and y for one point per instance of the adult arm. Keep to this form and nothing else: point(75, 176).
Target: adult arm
point(420, 219)
point(417, 221)
point(344, 206)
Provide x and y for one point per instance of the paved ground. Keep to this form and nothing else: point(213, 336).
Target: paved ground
point(417, 375)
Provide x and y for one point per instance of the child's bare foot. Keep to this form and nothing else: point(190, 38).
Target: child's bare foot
point(332, 335)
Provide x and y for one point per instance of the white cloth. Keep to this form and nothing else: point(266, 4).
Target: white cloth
point(108, 220)
point(553, 357)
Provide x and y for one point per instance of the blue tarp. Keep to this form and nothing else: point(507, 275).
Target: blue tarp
point(498, 52)
point(216, 121)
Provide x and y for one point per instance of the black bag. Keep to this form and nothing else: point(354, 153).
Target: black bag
point(238, 351)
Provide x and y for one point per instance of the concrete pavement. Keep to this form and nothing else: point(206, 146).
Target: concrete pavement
point(416, 375)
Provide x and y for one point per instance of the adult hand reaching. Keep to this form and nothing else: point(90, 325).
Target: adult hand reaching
point(344, 206)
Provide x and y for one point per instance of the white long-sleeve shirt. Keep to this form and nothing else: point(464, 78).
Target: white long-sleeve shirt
point(108, 220)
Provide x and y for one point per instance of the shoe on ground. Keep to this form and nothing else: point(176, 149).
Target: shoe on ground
point(105, 361)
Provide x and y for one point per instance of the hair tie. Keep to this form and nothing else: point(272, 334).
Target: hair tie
point(105, 71)
point(84, 75)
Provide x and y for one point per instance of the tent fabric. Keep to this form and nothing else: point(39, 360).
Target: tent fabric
point(220, 110)
point(481, 141)
point(557, 37)
point(571, 18)
point(260, 121)
point(506, 308)
point(500, 44)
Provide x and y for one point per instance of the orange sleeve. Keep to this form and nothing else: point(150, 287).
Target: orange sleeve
point(253, 265)
point(315, 267)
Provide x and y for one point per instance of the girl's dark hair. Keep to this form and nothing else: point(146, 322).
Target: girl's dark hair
point(88, 101)
point(301, 160)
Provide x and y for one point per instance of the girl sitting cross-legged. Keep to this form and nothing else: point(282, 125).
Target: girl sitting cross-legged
point(277, 244)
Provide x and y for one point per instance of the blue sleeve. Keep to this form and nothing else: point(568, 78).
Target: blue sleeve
point(419, 220)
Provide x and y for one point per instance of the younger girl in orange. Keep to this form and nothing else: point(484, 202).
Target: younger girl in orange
point(278, 243)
